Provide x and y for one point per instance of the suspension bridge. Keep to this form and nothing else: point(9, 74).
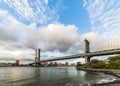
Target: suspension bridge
point(109, 48)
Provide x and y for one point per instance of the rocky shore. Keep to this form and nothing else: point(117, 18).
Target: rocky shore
point(114, 72)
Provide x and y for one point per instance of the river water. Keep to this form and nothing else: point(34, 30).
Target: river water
point(48, 76)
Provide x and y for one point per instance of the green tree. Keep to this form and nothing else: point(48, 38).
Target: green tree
point(97, 63)
point(114, 62)
point(79, 64)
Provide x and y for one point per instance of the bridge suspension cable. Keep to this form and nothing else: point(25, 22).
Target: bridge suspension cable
point(104, 44)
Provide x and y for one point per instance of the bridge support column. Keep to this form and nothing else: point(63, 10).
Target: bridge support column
point(87, 59)
point(37, 57)
point(87, 50)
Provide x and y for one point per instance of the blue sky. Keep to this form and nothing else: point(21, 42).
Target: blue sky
point(57, 27)
point(66, 12)
point(75, 14)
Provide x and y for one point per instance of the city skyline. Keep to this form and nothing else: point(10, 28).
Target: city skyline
point(58, 28)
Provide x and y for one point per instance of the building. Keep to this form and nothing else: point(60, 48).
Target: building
point(66, 64)
point(6, 64)
point(17, 62)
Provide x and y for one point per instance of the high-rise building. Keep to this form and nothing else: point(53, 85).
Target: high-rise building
point(17, 62)
point(66, 64)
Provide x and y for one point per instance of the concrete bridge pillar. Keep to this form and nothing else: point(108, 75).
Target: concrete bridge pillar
point(87, 59)
point(87, 50)
point(37, 57)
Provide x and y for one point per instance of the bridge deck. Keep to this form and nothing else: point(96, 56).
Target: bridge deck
point(91, 54)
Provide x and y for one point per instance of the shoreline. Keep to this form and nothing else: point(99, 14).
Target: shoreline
point(113, 72)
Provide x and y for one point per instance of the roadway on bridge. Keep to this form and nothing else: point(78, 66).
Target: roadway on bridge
point(91, 54)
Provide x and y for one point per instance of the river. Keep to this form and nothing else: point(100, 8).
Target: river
point(48, 76)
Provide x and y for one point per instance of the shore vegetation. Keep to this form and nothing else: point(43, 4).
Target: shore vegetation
point(111, 63)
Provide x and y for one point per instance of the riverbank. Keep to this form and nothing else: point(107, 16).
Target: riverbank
point(114, 72)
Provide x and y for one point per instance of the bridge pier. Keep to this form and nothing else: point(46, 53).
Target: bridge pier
point(37, 57)
point(87, 50)
point(87, 59)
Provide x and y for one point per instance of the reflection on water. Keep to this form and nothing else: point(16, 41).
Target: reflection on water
point(52, 76)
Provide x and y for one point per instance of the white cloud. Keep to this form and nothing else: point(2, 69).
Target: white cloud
point(90, 36)
point(53, 37)
point(22, 39)
point(36, 11)
point(46, 1)
point(104, 16)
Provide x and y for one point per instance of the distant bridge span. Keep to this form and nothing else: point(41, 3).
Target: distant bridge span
point(87, 55)
point(91, 54)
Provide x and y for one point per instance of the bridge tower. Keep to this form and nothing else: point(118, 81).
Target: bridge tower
point(87, 50)
point(37, 57)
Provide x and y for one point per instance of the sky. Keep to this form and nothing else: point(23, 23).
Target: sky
point(57, 27)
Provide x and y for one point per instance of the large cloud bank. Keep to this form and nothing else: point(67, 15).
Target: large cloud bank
point(18, 40)
point(15, 36)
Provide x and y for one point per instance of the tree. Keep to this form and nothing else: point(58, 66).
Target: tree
point(114, 62)
point(79, 64)
point(97, 63)
point(55, 64)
